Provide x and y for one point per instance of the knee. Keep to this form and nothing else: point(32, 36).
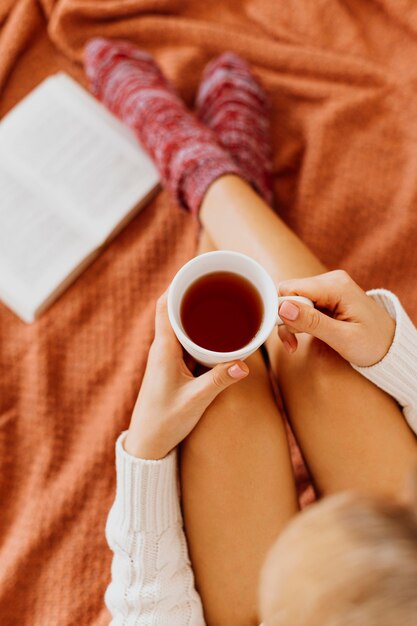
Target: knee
point(323, 361)
point(235, 413)
point(315, 366)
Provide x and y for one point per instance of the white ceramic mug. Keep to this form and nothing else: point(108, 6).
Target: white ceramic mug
point(226, 261)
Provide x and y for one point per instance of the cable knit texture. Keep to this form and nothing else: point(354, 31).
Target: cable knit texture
point(152, 581)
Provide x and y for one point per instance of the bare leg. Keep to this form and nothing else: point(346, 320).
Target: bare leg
point(236, 218)
point(237, 494)
point(236, 475)
point(352, 434)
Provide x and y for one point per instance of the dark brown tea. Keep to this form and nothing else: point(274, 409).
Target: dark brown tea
point(221, 311)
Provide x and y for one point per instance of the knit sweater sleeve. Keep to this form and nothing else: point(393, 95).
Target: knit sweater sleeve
point(152, 582)
point(396, 373)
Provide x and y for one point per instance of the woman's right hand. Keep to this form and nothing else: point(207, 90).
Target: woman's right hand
point(345, 317)
point(171, 400)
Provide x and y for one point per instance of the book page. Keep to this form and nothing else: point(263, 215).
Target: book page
point(71, 175)
point(38, 247)
point(78, 158)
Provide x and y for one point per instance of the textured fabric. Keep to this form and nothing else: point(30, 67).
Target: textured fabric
point(185, 151)
point(233, 103)
point(396, 373)
point(342, 79)
point(146, 493)
point(152, 581)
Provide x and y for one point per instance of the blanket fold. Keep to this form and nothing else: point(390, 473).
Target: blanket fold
point(343, 83)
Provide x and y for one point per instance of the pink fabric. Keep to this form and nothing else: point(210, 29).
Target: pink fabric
point(132, 87)
point(233, 103)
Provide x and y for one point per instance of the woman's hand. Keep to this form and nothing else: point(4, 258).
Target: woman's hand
point(345, 318)
point(171, 400)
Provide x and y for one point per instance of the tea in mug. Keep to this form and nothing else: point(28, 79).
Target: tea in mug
point(221, 311)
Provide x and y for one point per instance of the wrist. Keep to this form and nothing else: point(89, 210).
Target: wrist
point(141, 447)
point(386, 337)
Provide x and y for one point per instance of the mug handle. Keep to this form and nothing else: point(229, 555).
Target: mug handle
point(302, 299)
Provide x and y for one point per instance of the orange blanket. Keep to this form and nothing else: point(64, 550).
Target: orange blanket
point(343, 81)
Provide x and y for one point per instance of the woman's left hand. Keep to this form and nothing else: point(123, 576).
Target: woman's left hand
point(171, 400)
point(345, 317)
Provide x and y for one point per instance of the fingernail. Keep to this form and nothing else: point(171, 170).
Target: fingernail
point(236, 371)
point(288, 347)
point(289, 310)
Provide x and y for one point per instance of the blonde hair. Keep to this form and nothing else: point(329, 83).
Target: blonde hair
point(381, 576)
point(363, 571)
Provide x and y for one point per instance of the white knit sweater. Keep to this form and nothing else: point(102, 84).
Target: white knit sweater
point(152, 580)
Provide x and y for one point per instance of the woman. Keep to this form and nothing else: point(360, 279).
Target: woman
point(237, 485)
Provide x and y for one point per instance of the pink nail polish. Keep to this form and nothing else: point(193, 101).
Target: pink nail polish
point(289, 310)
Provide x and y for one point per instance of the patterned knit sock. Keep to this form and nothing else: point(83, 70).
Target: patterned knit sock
point(233, 103)
point(186, 152)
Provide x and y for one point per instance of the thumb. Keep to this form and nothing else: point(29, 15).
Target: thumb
point(302, 318)
point(209, 385)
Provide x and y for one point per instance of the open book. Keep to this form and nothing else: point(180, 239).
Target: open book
point(71, 176)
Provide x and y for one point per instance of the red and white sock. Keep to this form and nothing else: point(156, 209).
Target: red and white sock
point(233, 103)
point(186, 152)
